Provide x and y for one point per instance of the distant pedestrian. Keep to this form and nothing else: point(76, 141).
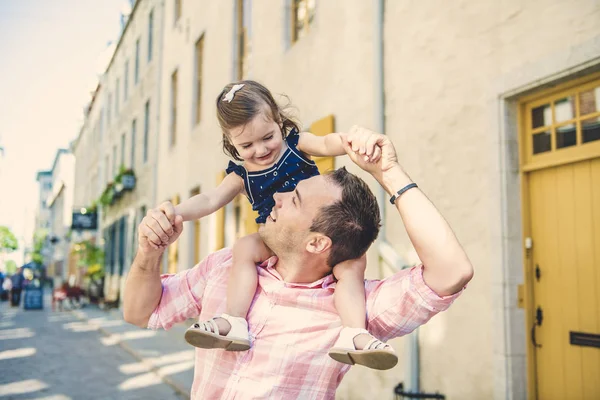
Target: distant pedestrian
point(17, 287)
point(6, 287)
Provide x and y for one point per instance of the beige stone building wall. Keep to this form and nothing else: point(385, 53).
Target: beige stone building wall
point(449, 68)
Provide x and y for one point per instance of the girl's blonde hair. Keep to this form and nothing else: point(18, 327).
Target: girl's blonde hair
point(248, 102)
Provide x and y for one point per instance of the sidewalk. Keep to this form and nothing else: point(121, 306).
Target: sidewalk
point(165, 353)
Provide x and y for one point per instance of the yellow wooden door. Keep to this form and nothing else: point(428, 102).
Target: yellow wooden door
point(565, 228)
point(323, 127)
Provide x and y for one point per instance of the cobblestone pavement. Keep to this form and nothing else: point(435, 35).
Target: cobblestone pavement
point(47, 355)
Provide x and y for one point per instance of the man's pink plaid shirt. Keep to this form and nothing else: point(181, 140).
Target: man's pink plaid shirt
point(292, 326)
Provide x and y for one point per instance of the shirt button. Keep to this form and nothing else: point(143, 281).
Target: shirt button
point(275, 173)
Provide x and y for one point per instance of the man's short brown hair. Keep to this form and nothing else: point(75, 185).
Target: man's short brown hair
point(351, 223)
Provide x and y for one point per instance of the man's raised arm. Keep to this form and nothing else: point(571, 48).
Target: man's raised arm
point(143, 288)
point(446, 267)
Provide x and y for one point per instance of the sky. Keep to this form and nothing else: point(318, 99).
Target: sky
point(50, 55)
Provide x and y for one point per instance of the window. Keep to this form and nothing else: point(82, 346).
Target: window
point(243, 33)
point(122, 150)
point(150, 34)
point(117, 97)
point(108, 108)
point(146, 129)
point(126, 80)
point(198, 87)
point(106, 178)
point(562, 126)
point(177, 11)
point(173, 138)
point(136, 67)
point(101, 122)
point(140, 217)
point(132, 156)
point(114, 162)
point(303, 13)
point(99, 182)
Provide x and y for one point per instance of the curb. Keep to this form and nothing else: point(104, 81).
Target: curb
point(176, 386)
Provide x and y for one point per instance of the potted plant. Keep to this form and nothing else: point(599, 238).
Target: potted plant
point(107, 197)
point(92, 208)
point(127, 178)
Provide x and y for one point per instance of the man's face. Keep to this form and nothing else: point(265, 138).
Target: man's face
point(288, 226)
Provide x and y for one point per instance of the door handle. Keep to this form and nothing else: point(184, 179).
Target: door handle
point(539, 317)
point(533, 340)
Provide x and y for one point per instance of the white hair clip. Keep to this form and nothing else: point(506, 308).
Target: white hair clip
point(229, 96)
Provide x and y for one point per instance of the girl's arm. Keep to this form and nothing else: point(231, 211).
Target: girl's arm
point(207, 203)
point(330, 145)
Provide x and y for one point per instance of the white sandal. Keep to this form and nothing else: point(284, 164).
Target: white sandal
point(205, 335)
point(376, 354)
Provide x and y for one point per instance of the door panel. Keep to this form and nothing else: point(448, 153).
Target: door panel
point(565, 226)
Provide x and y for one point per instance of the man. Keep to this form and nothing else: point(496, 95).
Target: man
point(292, 319)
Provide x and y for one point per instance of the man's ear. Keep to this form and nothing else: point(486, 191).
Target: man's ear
point(318, 244)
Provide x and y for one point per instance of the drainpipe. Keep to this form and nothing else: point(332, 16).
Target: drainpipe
point(159, 61)
point(386, 251)
point(158, 105)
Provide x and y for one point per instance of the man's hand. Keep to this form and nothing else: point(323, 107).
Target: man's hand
point(159, 229)
point(371, 151)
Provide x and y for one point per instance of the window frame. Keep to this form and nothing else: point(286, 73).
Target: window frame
point(199, 62)
point(556, 156)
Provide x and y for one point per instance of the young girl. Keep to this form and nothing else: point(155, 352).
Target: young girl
point(275, 158)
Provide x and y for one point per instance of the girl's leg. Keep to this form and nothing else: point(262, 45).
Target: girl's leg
point(355, 345)
point(243, 278)
point(349, 297)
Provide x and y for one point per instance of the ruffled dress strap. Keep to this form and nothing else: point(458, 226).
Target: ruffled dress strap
point(292, 138)
point(237, 169)
point(292, 142)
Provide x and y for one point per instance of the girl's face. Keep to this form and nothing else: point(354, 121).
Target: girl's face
point(259, 142)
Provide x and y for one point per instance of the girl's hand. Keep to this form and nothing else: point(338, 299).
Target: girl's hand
point(364, 143)
point(360, 140)
point(160, 227)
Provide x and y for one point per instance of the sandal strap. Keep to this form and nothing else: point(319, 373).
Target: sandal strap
point(239, 326)
point(208, 326)
point(347, 335)
point(376, 344)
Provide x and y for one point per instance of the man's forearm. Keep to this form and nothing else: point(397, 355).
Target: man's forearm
point(447, 267)
point(143, 289)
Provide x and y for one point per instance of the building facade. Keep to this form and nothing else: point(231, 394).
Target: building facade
point(119, 138)
point(494, 116)
point(42, 215)
point(60, 206)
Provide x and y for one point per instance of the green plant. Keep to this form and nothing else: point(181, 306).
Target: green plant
point(8, 241)
point(92, 208)
point(10, 267)
point(39, 238)
point(107, 196)
point(91, 257)
point(122, 172)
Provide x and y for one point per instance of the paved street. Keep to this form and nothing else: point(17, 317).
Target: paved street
point(49, 355)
